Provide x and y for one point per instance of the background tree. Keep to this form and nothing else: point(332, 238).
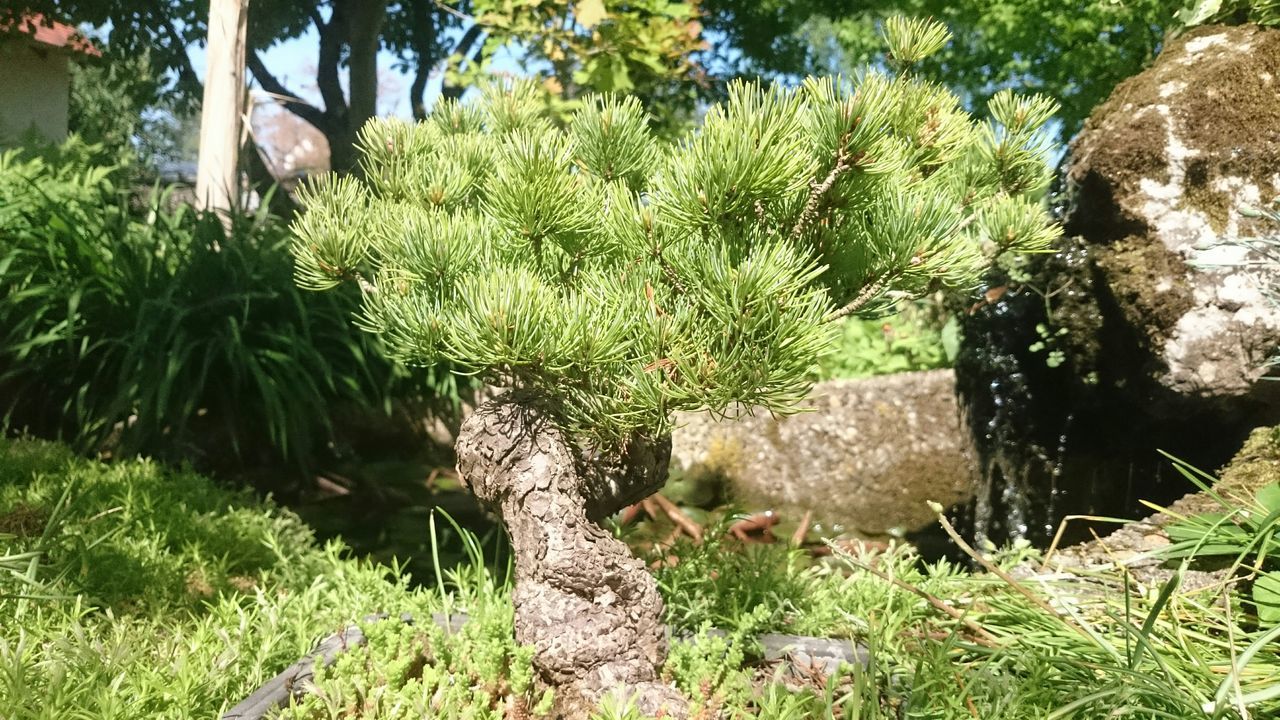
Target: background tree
point(643, 48)
point(640, 47)
point(607, 284)
point(1075, 51)
point(118, 104)
point(222, 110)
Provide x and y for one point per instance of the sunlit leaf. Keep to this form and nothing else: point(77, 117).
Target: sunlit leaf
point(1266, 595)
point(590, 13)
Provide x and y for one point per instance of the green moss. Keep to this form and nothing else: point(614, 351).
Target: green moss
point(1256, 465)
point(63, 655)
point(1225, 113)
point(1145, 281)
point(1197, 193)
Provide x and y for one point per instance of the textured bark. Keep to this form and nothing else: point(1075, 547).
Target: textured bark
point(589, 608)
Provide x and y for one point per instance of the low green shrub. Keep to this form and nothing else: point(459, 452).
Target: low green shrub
point(147, 331)
point(748, 589)
point(912, 339)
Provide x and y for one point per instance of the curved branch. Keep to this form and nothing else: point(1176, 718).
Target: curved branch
point(468, 42)
point(327, 79)
point(468, 39)
point(289, 99)
point(186, 71)
point(869, 292)
point(424, 34)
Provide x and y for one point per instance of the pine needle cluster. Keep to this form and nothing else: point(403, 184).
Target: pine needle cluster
point(620, 280)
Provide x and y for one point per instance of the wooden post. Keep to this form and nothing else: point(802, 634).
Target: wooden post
point(222, 111)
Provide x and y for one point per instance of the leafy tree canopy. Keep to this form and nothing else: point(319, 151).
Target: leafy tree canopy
point(1072, 50)
point(643, 48)
point(1075, 51)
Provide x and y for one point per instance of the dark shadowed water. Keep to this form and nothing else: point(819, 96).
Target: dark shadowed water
point(1066, 422)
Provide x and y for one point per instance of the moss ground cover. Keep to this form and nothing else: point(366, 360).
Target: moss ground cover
point(132, 591)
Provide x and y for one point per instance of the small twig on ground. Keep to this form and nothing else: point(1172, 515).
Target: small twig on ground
point(682, 521)
point(629, 514)
point(437, 473)
point(1062, 527)
point(985, 638)
point(1006, 577)
point(760, 521)
point(864, 546)
point(968, 700)
point(802, 532)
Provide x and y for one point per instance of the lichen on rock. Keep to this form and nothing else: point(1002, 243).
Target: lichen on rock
point(1159, 178)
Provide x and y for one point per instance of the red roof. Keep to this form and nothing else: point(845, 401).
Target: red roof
point(51, 33)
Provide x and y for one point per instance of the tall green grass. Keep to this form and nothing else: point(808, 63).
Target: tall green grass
point(133, 329)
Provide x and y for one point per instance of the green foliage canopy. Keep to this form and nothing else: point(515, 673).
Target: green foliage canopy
point(644, 48)
point(621, 280)
point(1075, 51)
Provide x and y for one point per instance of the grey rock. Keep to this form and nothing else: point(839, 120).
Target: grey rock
point(865, 457)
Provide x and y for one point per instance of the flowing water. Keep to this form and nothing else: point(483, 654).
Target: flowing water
point(1053, 392)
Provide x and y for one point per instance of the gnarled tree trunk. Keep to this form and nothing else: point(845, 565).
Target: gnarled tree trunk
point(590, 608)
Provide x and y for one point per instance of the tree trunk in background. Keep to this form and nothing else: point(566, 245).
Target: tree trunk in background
point(222, 110)
point(589, 608)
point(358, 24)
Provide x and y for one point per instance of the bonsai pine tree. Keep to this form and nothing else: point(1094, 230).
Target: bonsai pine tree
point(605, 282)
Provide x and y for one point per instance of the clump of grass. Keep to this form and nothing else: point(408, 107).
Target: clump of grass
point(1013, 642)
point(744, 588)
point(129, 326)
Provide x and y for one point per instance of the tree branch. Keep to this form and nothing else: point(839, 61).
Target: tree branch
point(290, 100)
point(313, 12)
point(424, 43)
point(186, 72)
point(465, 44)
point(264, 181)
point(335, 103)
point(418, 90)
point(453, 11)
point(468, 38)
point(818, 190)
point(865, 295)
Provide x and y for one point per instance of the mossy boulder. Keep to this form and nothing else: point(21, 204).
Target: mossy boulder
point(1148, 329)
point(1158, 181)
